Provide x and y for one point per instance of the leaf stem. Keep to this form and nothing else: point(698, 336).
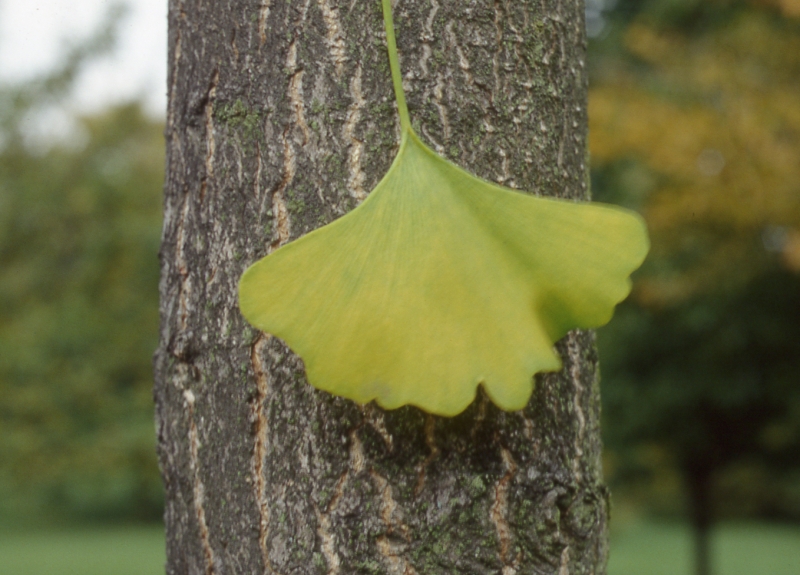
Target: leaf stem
point(394, 65)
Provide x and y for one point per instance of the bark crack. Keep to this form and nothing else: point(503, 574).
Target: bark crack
point(374, 417)
point(335, 39)
point(574, 352)
point(376, 420)
point(261, 445)
point(427, 38)
point(390, 514)
point(463, 63)
point(398, 565)
point(324, 527)
point(498, 25)
point(234, 47)
point(198, 489)
point(564, 568)
point(211, 144)
point(481, 415)
point(527, 426)
point(436, 145)
point(328, 542)
point(506, 175)
point(562, 141)
point(185, 288)
point(499, 515)
point(259, 166)
point(393, 543)
point(263, 14)
point(438, 94)
point(280, 214)
point(174, 83)
point(327, 538)
point(423, 62)
point(356, 453)
point(428, 35)
point(430, 441)
point(296, 92)
point(355, 179)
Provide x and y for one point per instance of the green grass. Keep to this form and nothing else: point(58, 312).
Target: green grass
point(83, 551)
point(649, 548)
point(642, 548)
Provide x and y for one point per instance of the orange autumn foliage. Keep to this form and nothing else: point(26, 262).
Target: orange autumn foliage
point(713, 121)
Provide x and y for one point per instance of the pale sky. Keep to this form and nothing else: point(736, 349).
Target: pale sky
point(34, 32)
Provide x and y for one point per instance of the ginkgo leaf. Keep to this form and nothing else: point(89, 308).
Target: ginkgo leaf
point(439, 282)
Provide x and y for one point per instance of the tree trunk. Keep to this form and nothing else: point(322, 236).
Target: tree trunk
point(281, 119)
point(699, 477)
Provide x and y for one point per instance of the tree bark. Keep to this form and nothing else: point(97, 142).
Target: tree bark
point(282, 118)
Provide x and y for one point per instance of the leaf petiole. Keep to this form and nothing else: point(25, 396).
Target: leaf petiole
point(394, 65)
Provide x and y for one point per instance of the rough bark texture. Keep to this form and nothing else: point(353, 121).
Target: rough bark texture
point(281, 118)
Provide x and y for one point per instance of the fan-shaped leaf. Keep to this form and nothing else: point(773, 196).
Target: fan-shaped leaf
point(439, 282)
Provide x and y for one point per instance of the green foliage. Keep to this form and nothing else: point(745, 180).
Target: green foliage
point(440, 282)
point(696, 122)
point(79, 233)
point(713, 380)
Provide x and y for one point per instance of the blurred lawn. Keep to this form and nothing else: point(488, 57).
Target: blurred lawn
point(84, 551)
point(637, 549)
point(649, 548)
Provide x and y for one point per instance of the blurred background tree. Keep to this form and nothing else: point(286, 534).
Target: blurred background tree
point(695, 121)
point(79, 233)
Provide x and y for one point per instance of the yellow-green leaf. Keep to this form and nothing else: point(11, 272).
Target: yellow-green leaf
point(439, 282)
